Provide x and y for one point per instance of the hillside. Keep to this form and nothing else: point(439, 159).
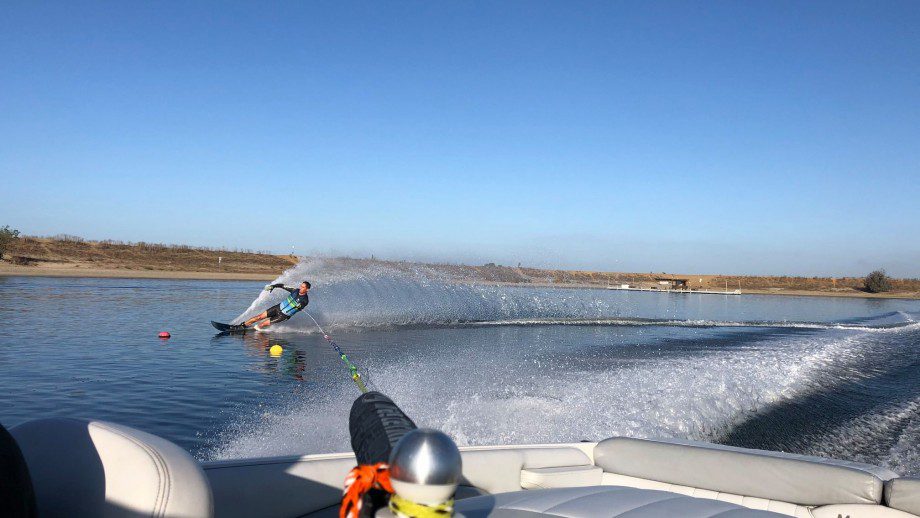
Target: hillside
point(78, 257)
point(75, 252)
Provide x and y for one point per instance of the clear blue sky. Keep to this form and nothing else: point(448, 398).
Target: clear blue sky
point(738, 137)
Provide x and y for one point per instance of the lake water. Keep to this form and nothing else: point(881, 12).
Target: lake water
point(486, 364)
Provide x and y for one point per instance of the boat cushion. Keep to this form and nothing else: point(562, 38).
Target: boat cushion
point(498, 470)
point(563, 476)
point(903, 494)
point(752, 502)
point(858, 511)
point(778, 476)
point(95, 468)
point(600, 502)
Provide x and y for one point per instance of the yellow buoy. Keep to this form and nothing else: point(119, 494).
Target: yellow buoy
point(275, 350)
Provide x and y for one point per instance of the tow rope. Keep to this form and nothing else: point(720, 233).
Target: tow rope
point(364, 478)
point(355, 375)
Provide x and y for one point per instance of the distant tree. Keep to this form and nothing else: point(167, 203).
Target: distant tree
point(877, 282)
point(7, 236)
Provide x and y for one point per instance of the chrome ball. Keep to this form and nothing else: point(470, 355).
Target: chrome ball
point(426, 456)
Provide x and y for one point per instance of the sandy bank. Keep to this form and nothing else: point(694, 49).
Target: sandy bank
point(76, 270)
point(115, 273)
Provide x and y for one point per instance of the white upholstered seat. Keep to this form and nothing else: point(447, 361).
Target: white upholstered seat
point(600, 502)
point(95, 468)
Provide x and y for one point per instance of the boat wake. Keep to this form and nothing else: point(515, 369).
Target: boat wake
point(377, 297)
point(496, 364)
point(480, 395)
point(689, 323)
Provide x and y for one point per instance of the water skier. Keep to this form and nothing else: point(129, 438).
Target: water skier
point(295, 301)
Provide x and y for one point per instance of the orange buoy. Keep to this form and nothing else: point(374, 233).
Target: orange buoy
point(164, 334)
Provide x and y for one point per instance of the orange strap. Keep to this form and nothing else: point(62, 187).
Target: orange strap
point(359, 481)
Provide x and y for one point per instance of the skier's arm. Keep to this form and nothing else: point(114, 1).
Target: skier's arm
point(270, 287)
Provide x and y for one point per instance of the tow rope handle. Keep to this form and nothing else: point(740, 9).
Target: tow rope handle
point(360, 480)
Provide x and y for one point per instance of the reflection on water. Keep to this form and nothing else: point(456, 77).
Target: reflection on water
point(290, 363)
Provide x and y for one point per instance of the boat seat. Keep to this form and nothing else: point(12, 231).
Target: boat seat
point(500, 470)
point(600, 502)
point(764, 504)
point(903, 494)
point(94, 468)
point(794, 485)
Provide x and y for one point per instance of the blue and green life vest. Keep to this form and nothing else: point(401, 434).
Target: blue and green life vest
point(294, 303)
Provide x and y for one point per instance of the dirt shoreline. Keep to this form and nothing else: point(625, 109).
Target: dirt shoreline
point(7, 270)
point(118, 273)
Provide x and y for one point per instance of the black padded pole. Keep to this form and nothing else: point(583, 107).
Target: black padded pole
point(376, 425)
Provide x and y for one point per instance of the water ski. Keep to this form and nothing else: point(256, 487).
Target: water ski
point(229, 328)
